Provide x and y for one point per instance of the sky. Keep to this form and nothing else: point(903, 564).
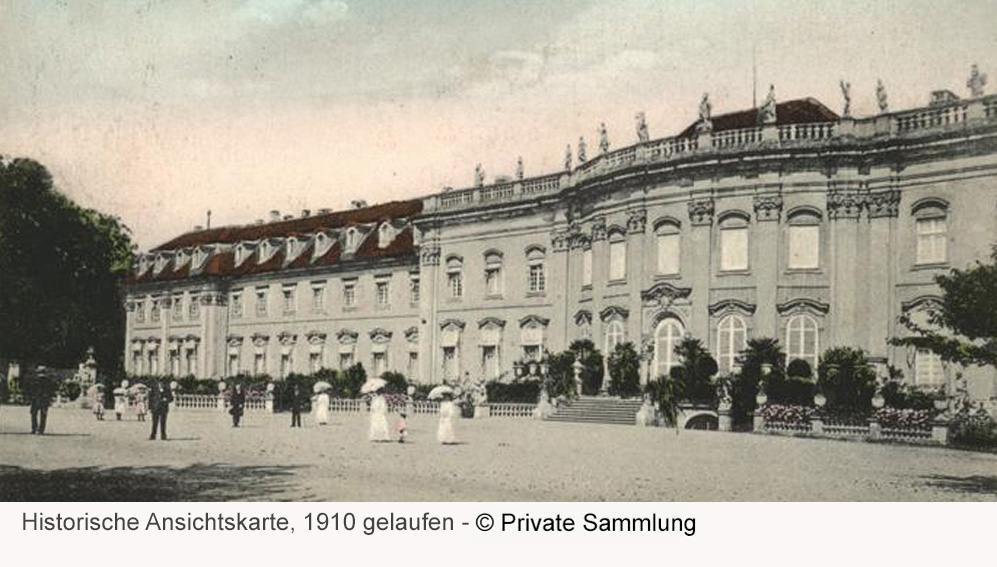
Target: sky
point(157, 111)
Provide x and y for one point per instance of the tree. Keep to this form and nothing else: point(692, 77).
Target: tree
point(592, 365)
point(624, 371)
point(758, 352)
point(962, 327)
point(846, 378)
point(61, 268)
point(692, 378)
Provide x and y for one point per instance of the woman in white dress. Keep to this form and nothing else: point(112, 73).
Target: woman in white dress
point(322, 408)
point(444, 431)
point(379, 419)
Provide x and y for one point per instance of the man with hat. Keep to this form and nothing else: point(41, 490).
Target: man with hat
point(160, 396)
point(41, 390)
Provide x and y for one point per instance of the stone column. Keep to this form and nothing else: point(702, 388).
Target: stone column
point(697, 259)
point(558, 280)
point(765, 268)
point(600, 275)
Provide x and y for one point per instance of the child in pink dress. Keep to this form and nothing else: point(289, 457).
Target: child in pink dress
point(401, 428)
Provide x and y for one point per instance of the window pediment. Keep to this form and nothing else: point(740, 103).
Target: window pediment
point(346, 336)
point(725, 306)
point(802, 304)
point(614, 312)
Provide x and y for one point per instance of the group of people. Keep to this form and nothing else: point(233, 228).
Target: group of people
point(379, 431)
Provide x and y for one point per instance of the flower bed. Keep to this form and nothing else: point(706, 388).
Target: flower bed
point(904, 419)
point(787, 414)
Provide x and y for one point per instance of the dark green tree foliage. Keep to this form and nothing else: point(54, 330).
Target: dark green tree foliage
point(519, 391)
point(692, 379)
point(561, 374)
point(963, 328)
point(351, 380)
point(396, 383)
point(744, 388)
point(624, 371)
point(61, 268)
point(593, 363)
point(846, 379)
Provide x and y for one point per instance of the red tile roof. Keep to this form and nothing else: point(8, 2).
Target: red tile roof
point(296, 226)
point(801, 111)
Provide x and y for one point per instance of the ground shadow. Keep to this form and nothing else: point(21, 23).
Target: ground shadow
point(194, 483)
point(975, 484)
point(45, 434)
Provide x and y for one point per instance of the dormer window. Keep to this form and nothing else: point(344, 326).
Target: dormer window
point(265, 250)
point(199, 256)
point(161, 262)
point(293, 248)
point(352, 240)
point(143, 264)
point(385, 235)
point(181, 259)
point(242, 251)
point(322, 245)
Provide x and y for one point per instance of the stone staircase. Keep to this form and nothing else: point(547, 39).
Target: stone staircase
point(598, 409)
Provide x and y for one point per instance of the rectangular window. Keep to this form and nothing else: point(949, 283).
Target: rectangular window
point(178, 308)
point(314, 362)
point(345, 360)
point(174, 362)
point(289, 300)
point(261, 302)
point(318, 298)
point(414, 290)
point(734, 249)
point(140, 312)
point(155, 312)
point(383, 294)
point(349, 293)
point(379, 363)
point(489, 362)
point(449, 363)
point(587, 267)
point(928, 368)
point(455, 281)
point(154, 362)
point(668, 254)
point(194, 309)
point(492, 281)
point(191, 360)
point(260, 363)
point(412, 370)
point(235, 305)
point(618, 260)
point(538, 280)
point(804, 247)
point(285, 364)
point(233, 364)
point(932, 241)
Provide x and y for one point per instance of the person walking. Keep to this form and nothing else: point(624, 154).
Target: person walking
point(297, 402)
point(444, 431)
point(237, 403)
point(378, 419)
point(160, 397)
point(121, 400)
point(322, 402)
point(41, 392)
point(97, 400)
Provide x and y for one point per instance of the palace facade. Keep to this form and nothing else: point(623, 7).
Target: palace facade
point(788, 221)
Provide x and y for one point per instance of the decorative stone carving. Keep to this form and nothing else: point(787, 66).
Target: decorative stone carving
point(580, 241)
point(534, 320)
point(379, 335)
point(603, 139)
point(768, 207)
point(346, 336)
point(567, 158)
point(583, 317)
point(430, 255)
point(316, 337)
point(977, 81)
point(559, 240)
point(286, 338)
point(846, 93)
point(881, 100)
point(260, 340)
point(802, 304)
point(664, 293)
point(701, 211)
point(884, 203)
point(636, 221)
point(766, 114)
point(519, 168)
point(582, 158)
point(599, 228)
point(705, 111)
point(845, 203)
point(614, 312)
point(642, 135)
point(730, 306)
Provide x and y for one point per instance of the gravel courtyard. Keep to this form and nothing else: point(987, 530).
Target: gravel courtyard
point(498, 459)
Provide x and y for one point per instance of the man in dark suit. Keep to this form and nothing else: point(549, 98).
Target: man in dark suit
point(160, 396)
point(41, 390)
point(297, 402)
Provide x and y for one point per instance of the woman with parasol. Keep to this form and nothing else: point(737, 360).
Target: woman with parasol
point(378, 410)
point(140, 396)
point(121, 399)
point(322, 401)
point(444, 431)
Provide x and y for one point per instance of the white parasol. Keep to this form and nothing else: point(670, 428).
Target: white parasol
point(440, 391)
point(120, 391)
point(372, 385)
point(137, 388)
point(321, 386)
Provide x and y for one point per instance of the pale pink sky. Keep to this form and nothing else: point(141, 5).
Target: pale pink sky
point(157, 111)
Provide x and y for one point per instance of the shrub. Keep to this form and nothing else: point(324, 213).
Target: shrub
point(519, 391)
point(561, 374)
point(692, 379)
point(782, 390)
point(349, 382)
point(902, 396)
point(70, 390)
point(624, 371)
point(846, 379)
point(799, 368)
point(396, 383)
point(974, 428)
point(661, 391)
point(744, 387)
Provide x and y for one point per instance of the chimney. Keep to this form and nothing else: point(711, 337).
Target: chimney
point(288, 217)
point(198, 227)
point(359, 204)
point(324, 211)
point(274, 216)
point(306, 213)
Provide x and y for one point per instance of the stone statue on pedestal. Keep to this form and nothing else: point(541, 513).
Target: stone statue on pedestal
point(976, 82)
point(603, 139)
point(642, 135)
point(581, 151)
point(884, 105)
point(519, 168)
point(479, 176)
point(846, 93)
point(567, 158)
point(766, 115)
point(705, 112)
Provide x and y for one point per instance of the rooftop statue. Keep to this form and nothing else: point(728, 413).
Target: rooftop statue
point(884, 105)
point(642, 135)
point(479, 176)
point(767, 113)
point(846, 92)
point(603, 139)
point(567, 158)
point(705, 111)
point(976, 82)
point(519, 168)
point(581, 150)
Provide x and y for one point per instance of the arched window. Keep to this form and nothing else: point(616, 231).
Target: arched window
point(734, 243)
point(536, 271)
point(616, 334)
point(455, 277)
point(804, 241)
point(732, 336)
point(493, 273)
point(667, 334)
point(668, 242)
point(931, 227)
point(802, 339)
point(617, 255)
